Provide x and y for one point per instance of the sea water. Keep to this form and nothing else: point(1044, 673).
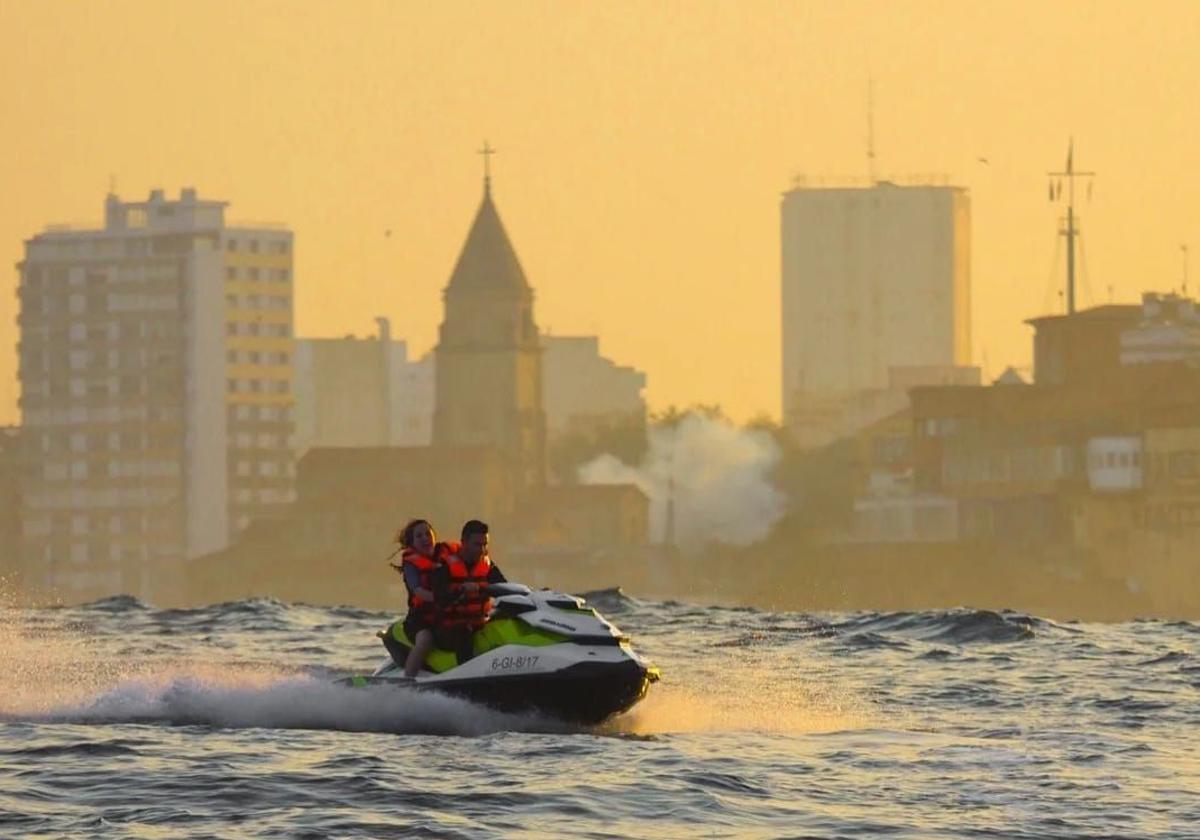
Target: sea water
point(120, 719)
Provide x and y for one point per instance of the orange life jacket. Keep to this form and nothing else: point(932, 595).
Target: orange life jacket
point(468, 610)
point(425, 566)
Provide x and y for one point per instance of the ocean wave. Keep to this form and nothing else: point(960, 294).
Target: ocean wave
point(1169, 658)
point(610, 600)
point(958, 626)
point(115, 604)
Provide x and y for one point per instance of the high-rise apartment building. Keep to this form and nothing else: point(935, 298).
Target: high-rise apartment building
point(876, 288)
point(156, 391)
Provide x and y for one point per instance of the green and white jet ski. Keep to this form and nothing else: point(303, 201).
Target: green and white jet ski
point(540, 651)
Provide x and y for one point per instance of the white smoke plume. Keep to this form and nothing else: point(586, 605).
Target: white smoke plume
point(721, 486)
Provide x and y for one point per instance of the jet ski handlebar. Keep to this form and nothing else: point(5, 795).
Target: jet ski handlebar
point(498, 590)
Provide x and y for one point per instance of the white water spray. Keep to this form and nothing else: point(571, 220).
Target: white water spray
point(716, 473)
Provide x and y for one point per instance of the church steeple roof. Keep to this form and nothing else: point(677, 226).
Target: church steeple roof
point(487, 260)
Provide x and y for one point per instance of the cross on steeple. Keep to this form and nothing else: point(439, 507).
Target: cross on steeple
point(487, 151)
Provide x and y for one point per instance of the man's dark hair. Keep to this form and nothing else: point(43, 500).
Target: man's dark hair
point(473, 526)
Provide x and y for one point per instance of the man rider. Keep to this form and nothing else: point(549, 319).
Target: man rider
point(459, 589)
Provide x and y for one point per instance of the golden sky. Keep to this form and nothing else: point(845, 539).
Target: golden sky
point(643, 150)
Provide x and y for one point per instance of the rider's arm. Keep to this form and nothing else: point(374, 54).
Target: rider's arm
point(441, 586)
point(412, 579)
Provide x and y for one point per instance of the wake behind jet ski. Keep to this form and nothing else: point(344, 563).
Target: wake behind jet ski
point(542, 651)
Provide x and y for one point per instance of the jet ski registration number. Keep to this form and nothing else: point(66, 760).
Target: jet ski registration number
point(511, 663)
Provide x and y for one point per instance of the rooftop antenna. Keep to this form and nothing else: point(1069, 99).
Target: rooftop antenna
point(1070, 174)
point(871, 129)
point(1184, 249)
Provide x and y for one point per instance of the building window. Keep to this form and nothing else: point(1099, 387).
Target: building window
point(231, 273)
point(253, 246)
point(231, 245)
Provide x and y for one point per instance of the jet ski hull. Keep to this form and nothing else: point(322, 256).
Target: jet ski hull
point(586, 693)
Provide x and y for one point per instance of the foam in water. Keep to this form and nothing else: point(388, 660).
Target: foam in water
point(295, 702)
point(238, 698)
point(52, 671)
point(678, 709)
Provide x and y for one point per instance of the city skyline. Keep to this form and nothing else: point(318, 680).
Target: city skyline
point(329, 125)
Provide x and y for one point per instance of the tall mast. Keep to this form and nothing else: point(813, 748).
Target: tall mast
point(1070, 174)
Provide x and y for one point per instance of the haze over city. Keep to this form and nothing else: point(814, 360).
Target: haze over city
point(719, 419)
point(642, 151)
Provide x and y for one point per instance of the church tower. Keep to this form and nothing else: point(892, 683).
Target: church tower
point(488, 388)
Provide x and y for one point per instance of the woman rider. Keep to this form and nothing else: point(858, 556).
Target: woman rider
point(417, 564)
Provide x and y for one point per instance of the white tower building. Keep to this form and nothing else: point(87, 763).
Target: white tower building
point(875, 291)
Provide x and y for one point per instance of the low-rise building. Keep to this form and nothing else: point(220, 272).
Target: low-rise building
point(821, 417)
point(1169, 331)
point(1081, 347)
point(10, 506)
point(331, 544)
point(362, 392)
point(582, 390)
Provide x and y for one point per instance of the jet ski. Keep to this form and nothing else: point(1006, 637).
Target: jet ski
point(539, 651)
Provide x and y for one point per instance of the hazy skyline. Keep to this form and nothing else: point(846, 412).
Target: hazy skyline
point(643, 150)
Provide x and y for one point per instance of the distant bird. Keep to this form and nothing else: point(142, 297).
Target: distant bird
point(984, 161)
point(387, 234)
